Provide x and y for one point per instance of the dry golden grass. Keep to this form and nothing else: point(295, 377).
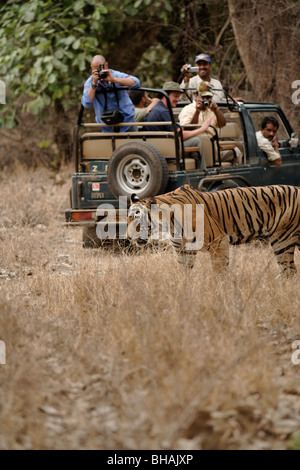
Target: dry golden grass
point(110, 351)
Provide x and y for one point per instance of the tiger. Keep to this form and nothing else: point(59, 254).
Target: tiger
point(229, 217)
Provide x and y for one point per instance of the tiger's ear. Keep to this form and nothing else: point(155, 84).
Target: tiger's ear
point(134, 198)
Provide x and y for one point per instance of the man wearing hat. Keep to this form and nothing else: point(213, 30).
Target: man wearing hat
point(160, 112)
point(202, 109)
point(204, 63)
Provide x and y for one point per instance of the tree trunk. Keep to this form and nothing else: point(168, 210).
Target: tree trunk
point(267, 37)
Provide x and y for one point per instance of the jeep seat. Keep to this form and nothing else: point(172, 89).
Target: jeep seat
point(100, 145)
point(227, 140)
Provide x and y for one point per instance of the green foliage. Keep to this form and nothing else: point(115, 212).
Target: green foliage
point(147, 8)
point(46, 47)
point(154, 67)
point(295, 441)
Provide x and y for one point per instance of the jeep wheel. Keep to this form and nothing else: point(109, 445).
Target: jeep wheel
point(137, 167)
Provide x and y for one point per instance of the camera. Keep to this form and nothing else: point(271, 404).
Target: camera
point(190, 69)
point(206, 103)
point(101, 74)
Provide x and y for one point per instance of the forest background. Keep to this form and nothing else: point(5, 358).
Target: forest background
point(46, 48)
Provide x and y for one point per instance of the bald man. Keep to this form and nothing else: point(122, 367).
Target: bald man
point(102, 92)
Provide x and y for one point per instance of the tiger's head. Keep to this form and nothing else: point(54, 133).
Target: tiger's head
point(139, 220)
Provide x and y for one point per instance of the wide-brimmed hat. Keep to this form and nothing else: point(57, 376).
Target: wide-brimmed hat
point(171, 86)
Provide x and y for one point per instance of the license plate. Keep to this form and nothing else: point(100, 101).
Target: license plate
point(97, 195)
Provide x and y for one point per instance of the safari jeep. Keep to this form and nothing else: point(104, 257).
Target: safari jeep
point(147, 163)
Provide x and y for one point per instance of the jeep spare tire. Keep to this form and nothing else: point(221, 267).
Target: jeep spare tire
point(137, 167)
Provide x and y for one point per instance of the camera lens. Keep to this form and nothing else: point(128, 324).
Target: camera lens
point(101, 74)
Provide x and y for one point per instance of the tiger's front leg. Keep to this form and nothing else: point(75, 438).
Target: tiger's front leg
point(185, 256)
point(286, 260)
point(219, 255)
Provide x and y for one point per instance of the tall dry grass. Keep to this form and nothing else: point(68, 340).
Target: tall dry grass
point(111, 351)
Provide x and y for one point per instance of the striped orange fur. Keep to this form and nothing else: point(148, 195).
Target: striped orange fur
point(232, 216)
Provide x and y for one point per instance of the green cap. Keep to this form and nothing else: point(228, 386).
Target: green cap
point(171, 86)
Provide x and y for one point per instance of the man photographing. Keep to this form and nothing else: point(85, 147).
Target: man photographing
point(203, 61)
point(103, 93)
point(160, 113)
point(203, 109)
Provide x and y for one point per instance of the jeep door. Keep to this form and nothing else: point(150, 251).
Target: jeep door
point(289, 171)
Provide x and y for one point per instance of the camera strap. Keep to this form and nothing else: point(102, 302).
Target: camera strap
point(113, 116)
point(105, 91)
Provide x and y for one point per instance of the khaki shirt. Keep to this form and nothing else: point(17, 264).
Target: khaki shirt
point(186, 115)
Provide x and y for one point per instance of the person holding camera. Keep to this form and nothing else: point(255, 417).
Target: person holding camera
point(101, 90)
point(160, 113)
point(203, 62)
point(202, 109)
